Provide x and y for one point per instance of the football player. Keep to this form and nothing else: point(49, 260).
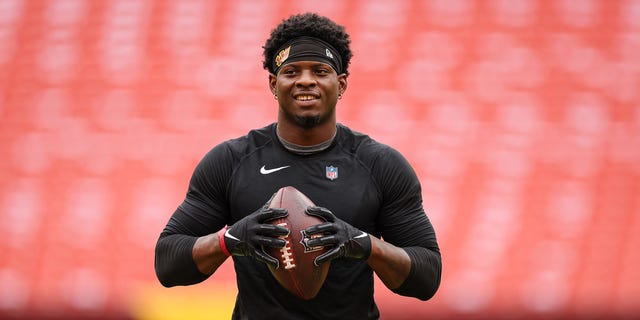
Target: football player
point(366, 192)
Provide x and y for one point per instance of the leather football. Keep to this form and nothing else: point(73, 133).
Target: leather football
point(296, 271)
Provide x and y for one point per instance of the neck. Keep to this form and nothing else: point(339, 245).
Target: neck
point(306, 136)
point(306, 149)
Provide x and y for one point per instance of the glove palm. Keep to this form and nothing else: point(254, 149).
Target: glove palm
point(249, 236)
point(347, 241)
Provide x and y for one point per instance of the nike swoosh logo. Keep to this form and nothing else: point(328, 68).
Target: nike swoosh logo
point(230, 236)
point(364, 234)
point(264, 170)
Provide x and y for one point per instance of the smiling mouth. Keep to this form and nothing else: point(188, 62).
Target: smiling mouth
point(305, 97)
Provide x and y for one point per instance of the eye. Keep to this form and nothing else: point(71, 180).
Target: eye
point(288, 71)
point(323, 71)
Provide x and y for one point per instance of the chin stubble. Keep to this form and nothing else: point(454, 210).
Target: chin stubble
point(307, 122)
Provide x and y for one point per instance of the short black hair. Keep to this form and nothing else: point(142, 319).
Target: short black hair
point(311, 25)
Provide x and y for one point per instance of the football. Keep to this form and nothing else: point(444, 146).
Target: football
point(296, 271)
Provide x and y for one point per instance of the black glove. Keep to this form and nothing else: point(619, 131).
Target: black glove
point(348, 241)
point(248, 236)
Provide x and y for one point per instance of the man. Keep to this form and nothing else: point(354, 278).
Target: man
point(366, 192)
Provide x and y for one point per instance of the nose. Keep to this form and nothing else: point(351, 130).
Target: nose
point(307, 78)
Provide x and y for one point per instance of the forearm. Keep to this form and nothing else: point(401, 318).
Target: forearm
point(185, 260)
point(411, 271)
point(424, 278)
point(207, 253)
point(390, 263)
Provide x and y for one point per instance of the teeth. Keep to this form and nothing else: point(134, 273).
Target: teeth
point(305, 98)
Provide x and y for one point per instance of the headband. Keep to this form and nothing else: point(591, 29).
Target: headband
point(307, 49)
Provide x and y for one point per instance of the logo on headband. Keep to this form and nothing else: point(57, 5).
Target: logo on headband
point(282, 56)
point(328, 53)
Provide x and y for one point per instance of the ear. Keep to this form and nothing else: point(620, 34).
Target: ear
point(273, 80)
point(342, 83)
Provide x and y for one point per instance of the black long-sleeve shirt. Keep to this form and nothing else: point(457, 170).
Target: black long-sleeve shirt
point(363, 182)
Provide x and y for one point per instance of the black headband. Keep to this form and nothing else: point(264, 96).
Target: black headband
point(307, 49)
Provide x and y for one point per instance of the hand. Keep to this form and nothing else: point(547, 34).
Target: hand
point(249, 236)
point(347, 241)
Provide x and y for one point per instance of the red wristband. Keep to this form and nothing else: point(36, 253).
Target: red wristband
point(223, 246)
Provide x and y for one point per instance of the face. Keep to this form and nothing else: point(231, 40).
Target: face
point(307, 92)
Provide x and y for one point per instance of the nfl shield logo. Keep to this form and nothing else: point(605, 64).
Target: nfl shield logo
point(332, 173)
